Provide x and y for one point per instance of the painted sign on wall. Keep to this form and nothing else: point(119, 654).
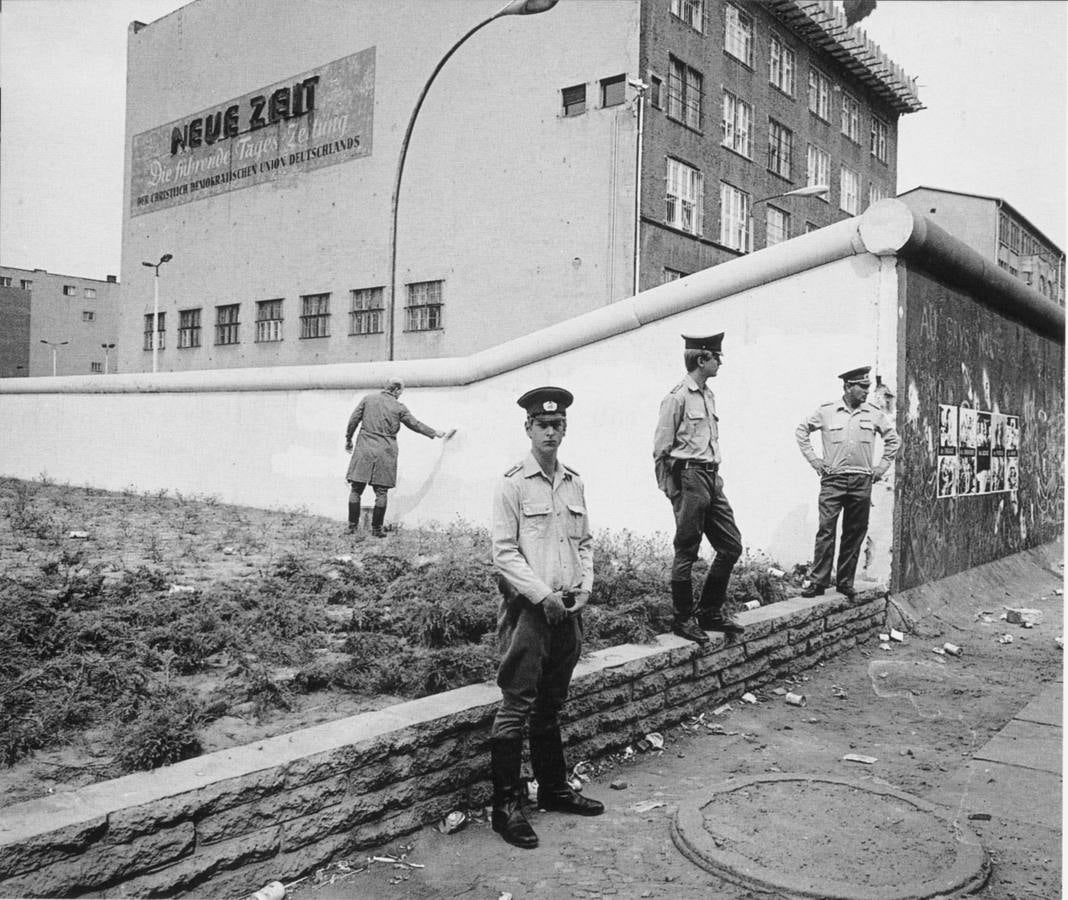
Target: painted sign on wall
point(978, 451)
point(315, 119)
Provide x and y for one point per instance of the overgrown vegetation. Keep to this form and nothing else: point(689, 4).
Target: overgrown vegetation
point(120, 630)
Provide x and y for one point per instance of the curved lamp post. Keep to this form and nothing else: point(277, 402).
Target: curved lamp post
point(55, 345)
point(155, 307)
point(512, 8)
point(812, 190)
point(107, 349)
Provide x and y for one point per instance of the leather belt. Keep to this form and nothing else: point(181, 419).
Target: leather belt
point(699, 464)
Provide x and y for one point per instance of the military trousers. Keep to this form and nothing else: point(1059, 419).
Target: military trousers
point(537, 662)
point(847, 494)
point(702, 509)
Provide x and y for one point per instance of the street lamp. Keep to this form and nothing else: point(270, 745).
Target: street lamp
point(640, 87)
point(812, 190)
point(55, 347)
point(107, 349)
point(512, 8)
point(155, 307)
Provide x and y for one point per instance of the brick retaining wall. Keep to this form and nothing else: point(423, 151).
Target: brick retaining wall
point(225, 823)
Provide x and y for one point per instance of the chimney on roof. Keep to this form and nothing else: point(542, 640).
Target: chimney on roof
point(113, 279)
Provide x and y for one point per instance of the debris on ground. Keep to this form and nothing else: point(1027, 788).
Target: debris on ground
point(1024, 616)
point(938, 650)
point(896, 635)
point(860, 758)
point(796, 699)
point(884, 636)
point(780, 691)
point(453, 822)
point(273, 890)
point(722, 710)
point(618, 784)
point(656, 740)
point(838, 692)
point(885, 647)
point(79, 535)
point(1059, 641)
point(647, 805)
point(952, 649)
point(1005, 639)
point(748, 697)
point(979, 817)
point(182, 589)
point(750, 605)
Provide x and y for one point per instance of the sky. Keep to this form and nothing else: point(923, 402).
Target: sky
point(992, 75)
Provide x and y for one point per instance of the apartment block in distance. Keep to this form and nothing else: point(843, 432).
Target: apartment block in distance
point(993, 227)
point(559, 162)
point(65, 318)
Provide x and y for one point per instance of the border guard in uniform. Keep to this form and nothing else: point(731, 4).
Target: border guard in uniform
point(848, 428)
point(543, 552)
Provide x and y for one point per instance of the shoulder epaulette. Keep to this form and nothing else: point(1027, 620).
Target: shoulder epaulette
point(829, 403)
point(518, 467)
point(681, 384)
point(568, 468)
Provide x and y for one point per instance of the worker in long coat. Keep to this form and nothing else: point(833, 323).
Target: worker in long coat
point(374, 461)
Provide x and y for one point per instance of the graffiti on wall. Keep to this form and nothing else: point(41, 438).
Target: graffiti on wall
point(978, 452)
point(981, 389)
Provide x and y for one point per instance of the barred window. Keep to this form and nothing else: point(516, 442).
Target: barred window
point(227, 324)
point(819, 167)
point(685, 197)
point(685, 92)
point(849, 196)
point(781, 65)
point(188, 328)
point(690, 11)
point(778, 226)
point(315, 316)
point(738, 37)
point(819, 94)
point(780, 148)
point(425, 306)
point(268, 321)
point(734, 218)
point(879, 132)
point(160, 331)
point(737, 125)
point(850, 117)
point(365, 317)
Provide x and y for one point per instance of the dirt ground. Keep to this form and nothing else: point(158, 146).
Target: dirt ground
point(921, 715)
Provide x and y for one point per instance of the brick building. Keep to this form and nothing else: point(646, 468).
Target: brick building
point(993, 227)
point(549, 148)
point(66, 316)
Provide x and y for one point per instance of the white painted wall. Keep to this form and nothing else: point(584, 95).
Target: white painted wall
point(786, 341)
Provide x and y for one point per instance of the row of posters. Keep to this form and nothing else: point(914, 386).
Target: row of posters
point(978, 452)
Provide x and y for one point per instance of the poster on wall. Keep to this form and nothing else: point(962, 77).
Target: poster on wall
point(978, 451)
point(947, 430)
point(947, 476)
point(982, 452)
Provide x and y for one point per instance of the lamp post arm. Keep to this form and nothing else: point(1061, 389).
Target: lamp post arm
point(394, 200)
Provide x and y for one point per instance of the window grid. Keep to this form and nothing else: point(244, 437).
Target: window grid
point(574, 100)
point(5, 281)
point(780, 148)
point(850, 117)
point(314, 316)
point(365, 316)
point(69, 290)
point(690, 11)
point(819, 94)
point(268, 321)
point(685, 92)
point(90, 293)
point(781, 65)
point(88, 315)
point(671, 275)
point(777, 223)
point(876, 192)
point(26, 283)
point(737, 125)
point(613, 90)
point(656, 91)
point(879, 133)
point(188, 328)
point(849, 194)
point(819, 167)
point(425, 305)
point(160, 331)
point(738, 36)
point(227, 324)
point(734, 217)
point(96, 368)
point(684, 197)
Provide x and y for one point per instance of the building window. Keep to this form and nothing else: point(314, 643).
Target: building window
point(613, 90)
point(366, 314)
point(876, 192)
point(738, 38)
point(69, 290)
point(315, 316)
point(879, 131)
point(850, 117)
point(90, 293)
point(819, 94)
point(228, 324)
point(690, 11)
point(1014, 237)
point(88, 315)
point(780, 148)
point(819, 167)
point(656, 91)
point(685, 197)
point(734, 217)
point(5, 281)
point(268, 321)
point(425, 306)
point(737, 125)
point(781, 61)
point(671, 275)
point(684, 94)
point(160, 331)
point(777, 224)
point(26, 283)
point(188, 328)
point(96, 368)
point(810, 227)
point(574, 100)
point(849, 195)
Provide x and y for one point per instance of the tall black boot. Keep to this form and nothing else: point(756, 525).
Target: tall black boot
point(509, 822)
point(354, 515)
point(710, 608)
point(682, 623)
point(550, 770)
point(378, 516)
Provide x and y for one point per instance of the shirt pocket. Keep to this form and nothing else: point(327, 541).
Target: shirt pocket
point(535, 518)
point(576, 520)
point(866, 432)
point(835, 434)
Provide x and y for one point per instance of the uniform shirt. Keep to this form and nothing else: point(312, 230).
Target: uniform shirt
point(541, 532)
point(688, 425)
point(848, 436)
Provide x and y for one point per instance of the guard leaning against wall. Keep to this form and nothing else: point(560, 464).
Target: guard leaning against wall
point(848, 428)
point(686, 458)
point(543, 551)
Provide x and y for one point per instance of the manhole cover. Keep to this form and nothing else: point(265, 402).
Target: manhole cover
point(829, 838)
